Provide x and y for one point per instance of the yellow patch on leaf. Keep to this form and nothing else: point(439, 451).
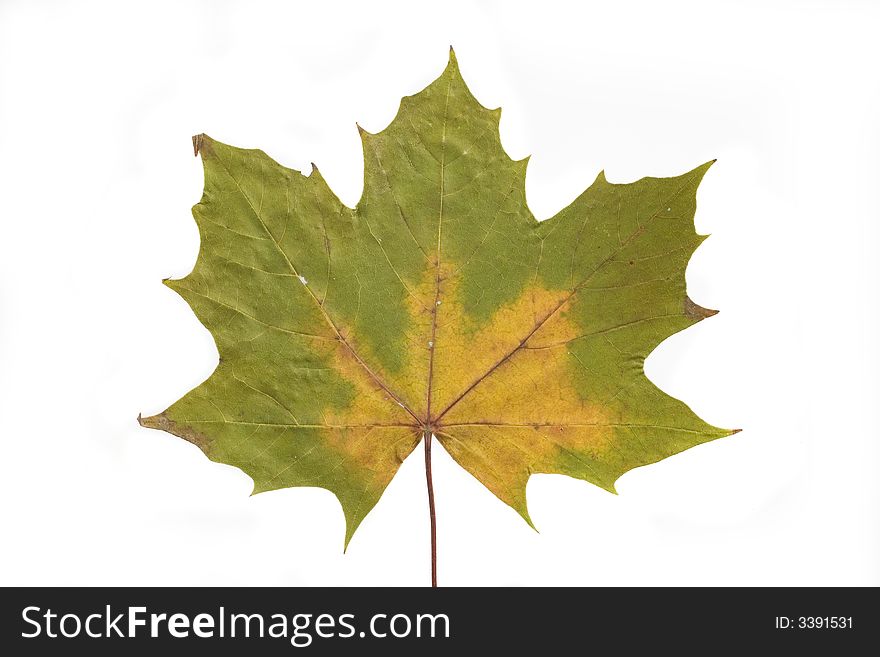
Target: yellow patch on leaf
point(465, 349)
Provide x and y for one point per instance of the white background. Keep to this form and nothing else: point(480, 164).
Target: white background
point(97, 104)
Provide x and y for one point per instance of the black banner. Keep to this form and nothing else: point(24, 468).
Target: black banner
point(110, 621)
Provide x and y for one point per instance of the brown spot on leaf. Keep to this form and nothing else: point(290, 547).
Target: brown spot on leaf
point(201, 144)
point(163, 423)
point(696, 312)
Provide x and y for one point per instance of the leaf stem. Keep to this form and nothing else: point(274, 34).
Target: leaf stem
point(428, 436)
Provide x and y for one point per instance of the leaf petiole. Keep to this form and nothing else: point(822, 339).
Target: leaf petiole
point(428, 436)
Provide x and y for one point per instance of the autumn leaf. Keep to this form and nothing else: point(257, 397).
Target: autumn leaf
point(437, 308)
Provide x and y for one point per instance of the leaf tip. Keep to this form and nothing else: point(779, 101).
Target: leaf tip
point(145, 421)
point(452, 64)
point(152, 422)
point(695, 311)
point(522, 508)
point(703, 168)
point(200, 143)
point(349, 533)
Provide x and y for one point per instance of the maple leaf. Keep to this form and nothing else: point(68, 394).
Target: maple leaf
point(437, 307)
